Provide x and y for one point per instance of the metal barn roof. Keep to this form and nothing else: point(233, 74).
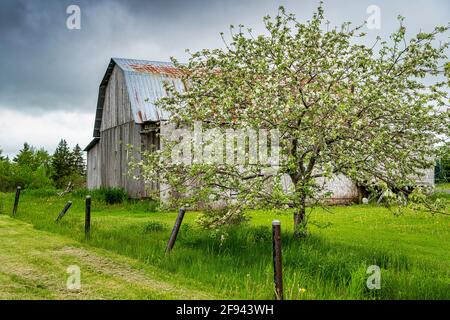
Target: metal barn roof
point(144, 81)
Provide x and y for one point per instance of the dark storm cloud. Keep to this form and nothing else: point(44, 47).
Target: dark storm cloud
point(49, 75)
point(45, 66)
point(34, 60)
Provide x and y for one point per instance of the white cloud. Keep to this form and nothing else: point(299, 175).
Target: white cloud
point(44, 130)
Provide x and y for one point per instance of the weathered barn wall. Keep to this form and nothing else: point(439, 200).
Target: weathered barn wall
point(117, 106)
point(427, 178)
point(116, 156)
point(94, 168)
point(150, 141)
point(342, 189)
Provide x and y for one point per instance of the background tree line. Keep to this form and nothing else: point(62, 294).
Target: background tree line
point(36, 168)
point(442, 169)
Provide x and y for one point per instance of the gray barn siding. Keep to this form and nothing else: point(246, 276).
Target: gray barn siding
point(94, 168)
point(117, 105)
point(427, 178)
point(115, 158)
point(150, 142)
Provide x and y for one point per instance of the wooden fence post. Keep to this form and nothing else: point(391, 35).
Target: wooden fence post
point(64, 210)
point(277, 259)
point(175, 230)
point(16, 201)
point(87, 221)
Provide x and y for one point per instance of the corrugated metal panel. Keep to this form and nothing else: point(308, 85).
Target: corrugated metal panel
point(145, 84)
point(144, 91)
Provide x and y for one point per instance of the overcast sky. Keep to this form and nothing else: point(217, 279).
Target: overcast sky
point(50, 75)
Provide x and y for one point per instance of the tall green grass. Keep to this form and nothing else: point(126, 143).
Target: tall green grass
point(411, 250)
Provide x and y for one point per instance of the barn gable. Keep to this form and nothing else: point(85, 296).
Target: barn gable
point(144, 86)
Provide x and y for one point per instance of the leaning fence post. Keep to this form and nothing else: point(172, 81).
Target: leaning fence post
point(277, 259)
point(64, 210)
point(87, 221)
point(175, 229)
point(16, 200)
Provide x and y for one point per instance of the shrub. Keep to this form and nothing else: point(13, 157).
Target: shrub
point(114, 195)
point(108, 195)
point(13, 175)
point(442, 170)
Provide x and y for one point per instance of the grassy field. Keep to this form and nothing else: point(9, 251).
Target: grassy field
point(34, 266)
point(411, 250)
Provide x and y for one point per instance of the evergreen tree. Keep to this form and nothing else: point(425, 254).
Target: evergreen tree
point(42, 159)
point(442, 169)
point(62, 164)
point(5, 174)
point(25, 157)
point(79, 164)
point(2, 158)
point(29, 157)
point(30, 169)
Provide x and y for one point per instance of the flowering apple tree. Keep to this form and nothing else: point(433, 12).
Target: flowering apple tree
point(313, 98)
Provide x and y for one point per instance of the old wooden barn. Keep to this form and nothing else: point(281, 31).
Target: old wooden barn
point(126, 115)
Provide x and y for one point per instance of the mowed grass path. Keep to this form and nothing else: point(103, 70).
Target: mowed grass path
point(412, 250)
point(34, 266)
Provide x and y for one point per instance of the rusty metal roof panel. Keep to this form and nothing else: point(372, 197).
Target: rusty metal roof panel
point(145, 84)
point(128, 64)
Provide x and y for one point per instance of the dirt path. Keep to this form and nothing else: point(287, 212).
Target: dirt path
point(33, 265)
